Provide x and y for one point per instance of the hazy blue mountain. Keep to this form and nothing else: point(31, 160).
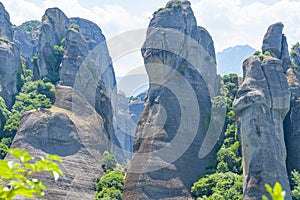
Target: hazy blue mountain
point(134, 84)
point(230, 60)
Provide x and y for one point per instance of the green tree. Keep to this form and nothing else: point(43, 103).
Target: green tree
point(30, 26)
point(33, 95)
point(295, 184)
point(4, 146)
point(110, 186)
point(108, 161)
point(16, 175)
point(223, 179)
point(4, 113)
point(113, 179)
point(109, 194)
point(225, 186)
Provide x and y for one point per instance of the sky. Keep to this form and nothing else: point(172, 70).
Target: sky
point(230, 22)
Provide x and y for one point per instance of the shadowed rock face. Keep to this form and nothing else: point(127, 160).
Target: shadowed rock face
point(27, 44)
point(9, 59)
point(291, 124)
point(261, 105)
point(73, 130)
point(177, 55)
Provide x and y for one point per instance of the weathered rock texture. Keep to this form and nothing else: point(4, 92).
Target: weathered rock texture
point(74, 131)
point(10, 63)
point(86, 64)
point(79, 127)
point(275, 43)
point(261, 104)
point(27, 44)
point(179, 59)
point(76, 50)
point(125, 129)
point(9, 59)
point(291, 124)
point(53, 30)
point(90, 31)
point(5, 28)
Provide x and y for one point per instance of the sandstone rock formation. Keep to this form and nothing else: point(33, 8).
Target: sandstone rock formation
point(179, 59)
point(292, 125)
point(261, 104)
point(85, 64)
point(275, 42)
point(125, 130)
point(90, 31)
point(27, 44)
point(73, 130)
point(79, 127)
point(9, 59)
point(54, 28)
point(76, 50)
point(5, 28)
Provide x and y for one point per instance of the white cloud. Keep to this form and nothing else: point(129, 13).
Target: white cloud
point(21, 10)
point(229, 23)
point(112, 19)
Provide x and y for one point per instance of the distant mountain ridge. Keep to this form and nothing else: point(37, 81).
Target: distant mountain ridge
point(231, 59)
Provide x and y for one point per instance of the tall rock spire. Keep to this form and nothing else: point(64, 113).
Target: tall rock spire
point(291, 124)
point(9, 59)
point(180, 61)
point(261, 105)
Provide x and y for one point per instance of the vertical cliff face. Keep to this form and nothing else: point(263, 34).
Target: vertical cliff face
point(90, 31)
point(179, 59)
point(291, 125)
point(54, 28)
point(76, 50)
point(79, 127)
point(261, 104)
point(5, 29)
point(27, 44)
point(9, 59)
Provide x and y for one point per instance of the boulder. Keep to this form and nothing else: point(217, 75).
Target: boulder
point(74, 131)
